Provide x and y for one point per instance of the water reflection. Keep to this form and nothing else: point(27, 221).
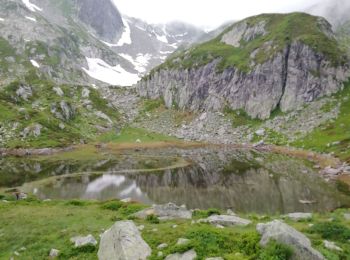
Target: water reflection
point(245, 181)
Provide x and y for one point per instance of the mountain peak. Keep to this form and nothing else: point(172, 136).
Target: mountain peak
point(102, 16)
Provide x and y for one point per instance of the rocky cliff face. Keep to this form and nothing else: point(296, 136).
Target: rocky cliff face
point(255, 69)
point(103, 17)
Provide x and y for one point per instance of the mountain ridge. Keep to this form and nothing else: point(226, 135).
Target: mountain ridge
point(291, 61)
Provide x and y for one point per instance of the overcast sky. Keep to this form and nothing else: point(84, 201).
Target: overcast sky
point(205, 13)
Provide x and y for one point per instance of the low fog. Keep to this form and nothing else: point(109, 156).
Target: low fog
point(211, 14)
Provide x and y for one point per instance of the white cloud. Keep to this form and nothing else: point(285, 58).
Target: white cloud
point(206, 13)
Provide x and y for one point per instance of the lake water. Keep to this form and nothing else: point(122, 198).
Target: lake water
point(237, 179)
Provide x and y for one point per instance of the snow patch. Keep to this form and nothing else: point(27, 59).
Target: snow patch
point(35, 64)
point(166, 52)
point(126, 36)
point(100, 70)
point(162, 38)
point(31, 18)
point(2, 19)
point(141, 61)
point(30, 6)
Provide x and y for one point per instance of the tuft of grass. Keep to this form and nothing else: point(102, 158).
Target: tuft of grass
point(276, 251)
point(332, 231)
point(153, 219)
point(130, 134)
point(112, 205)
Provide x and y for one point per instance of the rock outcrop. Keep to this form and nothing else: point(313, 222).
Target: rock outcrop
point(103, 16)
point(282, 233)
point(275, 73)
point(123, 242)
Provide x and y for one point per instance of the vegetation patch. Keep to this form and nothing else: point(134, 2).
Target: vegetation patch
point(333, 136)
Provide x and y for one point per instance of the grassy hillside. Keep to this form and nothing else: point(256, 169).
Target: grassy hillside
point(282, 29)
point(65, 118)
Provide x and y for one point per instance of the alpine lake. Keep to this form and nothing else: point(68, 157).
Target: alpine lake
point(244, 180)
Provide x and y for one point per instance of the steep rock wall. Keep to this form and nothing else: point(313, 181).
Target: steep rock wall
point(293, 77)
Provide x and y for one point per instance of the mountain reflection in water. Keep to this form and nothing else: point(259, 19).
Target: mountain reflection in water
point(245, 181)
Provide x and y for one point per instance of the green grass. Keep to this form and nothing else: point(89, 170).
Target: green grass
point(39, 226)
point(131, 135)
point(241, 118)
point(283, 29)
point(81, 126)
point(321, 139)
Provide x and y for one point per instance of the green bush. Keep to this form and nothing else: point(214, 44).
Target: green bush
point(332, 231)
point(276, 251)
point(206, 213)
point(76, 203)
point(152, 219)
point(113, 205)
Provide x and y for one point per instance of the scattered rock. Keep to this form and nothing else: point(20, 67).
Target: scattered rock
point(58, 91)
point(189, 255)
point(297, 216)
point(61, 126)
point(85, 93)
point(182, 241)
point(230, 212)
point(138, 141)
point(307, 201)
point(347, 216)
point(126, 200)
point(123, 241)
point(260, 143)
point(226, 220)
point(83, 241)
point(282, 233)
point(260, 132)
point(165, 212)
point(141, 227)
point(54, 253)
point(24, 92)
point(331, 245)
point(162, 246)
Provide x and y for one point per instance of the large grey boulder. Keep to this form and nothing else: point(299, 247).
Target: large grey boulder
point(226, 220)
point(123, 242)
point(189, 255)
point(165, 212)
point(285, 234)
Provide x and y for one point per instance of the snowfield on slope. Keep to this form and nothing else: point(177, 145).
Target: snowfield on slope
point(30, 6)
point(141, 61)
point(117, 76)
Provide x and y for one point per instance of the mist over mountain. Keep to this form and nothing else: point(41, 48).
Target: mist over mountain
point(335, 11)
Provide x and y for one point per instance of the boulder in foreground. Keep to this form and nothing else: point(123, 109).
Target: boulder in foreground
point(123, 242)
point(284, 234)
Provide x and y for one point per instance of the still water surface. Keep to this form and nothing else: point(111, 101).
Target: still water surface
point(242, 180)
